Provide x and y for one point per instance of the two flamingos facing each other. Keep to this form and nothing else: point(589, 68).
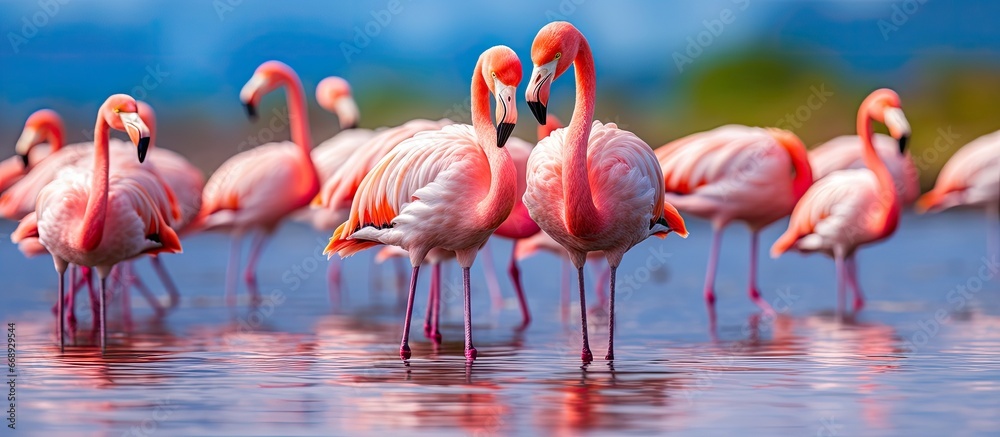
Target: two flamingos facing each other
point(851, 208)
point(255, 190)
point(104, 215)
point(735, 173)
point(447, 189)
point(591, 186)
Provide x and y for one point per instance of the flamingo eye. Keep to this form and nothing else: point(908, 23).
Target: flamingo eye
point(494, 74)
point(558, 55)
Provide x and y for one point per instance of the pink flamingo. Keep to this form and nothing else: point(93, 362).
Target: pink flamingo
point(971, 177)
point(851, 208)
point(256, 189)
point(844, 152)
point(735, 173)
point(43, 127)
point(100, 217)
point(412, 197)
point(592, 187)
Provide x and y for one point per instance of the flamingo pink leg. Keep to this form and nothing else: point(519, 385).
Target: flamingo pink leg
point(611, 316)
point(841, 280)
point(431, 330)
point(250, 274)
point(333, 281)
point(713, 263)
point(102, 320)
point(515, 277)
point(88, 275)
point(59, 310)
point(127, 279)
point(147, 294)
point(585, 354)
point(852, 278)
point(71, 298)
point(492, 283)
point(168, 282)
point(754, 291)
point(404, 346)
point(470, 351)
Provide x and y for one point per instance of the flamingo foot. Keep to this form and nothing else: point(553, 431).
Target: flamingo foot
point(435, 336)
point(586, 355)
point(610, 356)
point(404, 352)
point(760, 302)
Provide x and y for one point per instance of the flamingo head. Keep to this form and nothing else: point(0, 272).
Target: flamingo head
point(121, 112)
point(883, 105)
point(268, 76)
point(41, 126)
point(553, 51)
point(334, 95)
point(501, 70)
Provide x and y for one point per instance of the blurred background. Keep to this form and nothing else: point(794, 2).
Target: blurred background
point(665, 68)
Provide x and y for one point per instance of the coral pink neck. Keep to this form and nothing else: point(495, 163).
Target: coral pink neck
point(888, 198)
point(97, 204)
point(494, 208)
point(582, 216)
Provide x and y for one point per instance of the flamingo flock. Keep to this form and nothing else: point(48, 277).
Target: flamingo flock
point(432, 191)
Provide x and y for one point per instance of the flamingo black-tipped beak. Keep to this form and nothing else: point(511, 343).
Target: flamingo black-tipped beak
point(503, 133)
point(24, 159)
point(903, 140)
point(251, 111)
point(143, 147)
point(538, 109)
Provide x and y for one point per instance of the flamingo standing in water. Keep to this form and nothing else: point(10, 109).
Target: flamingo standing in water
point(851, 208)
point(971, 177)
point(592, 187)
point(447, 189)
point(735, 173)
point(844, 152)
point(100, 217)
point(256, 189)
point(44, 127)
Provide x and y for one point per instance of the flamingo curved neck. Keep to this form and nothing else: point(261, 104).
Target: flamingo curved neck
point(298, 118)
point(97, 204)
point(582, 216)
point(493, 208)
point(55, 139)
point(888, 199)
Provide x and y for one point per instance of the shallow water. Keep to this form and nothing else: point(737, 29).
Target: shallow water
point(306, 362)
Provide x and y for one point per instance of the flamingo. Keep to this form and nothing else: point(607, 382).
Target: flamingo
point(591, 187)
point(844, 152)
point(971, 177)
point(851, 208)
point(254, 190)
point(42, 126)
point(735, 173)
point(449, 188)
point(100, 217)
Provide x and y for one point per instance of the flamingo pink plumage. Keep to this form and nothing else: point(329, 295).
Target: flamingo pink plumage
point(100, 217)
point(972, 178)
point(447, 189)
point(256, 189)
point(851, 208)
point(735, 173)
point(42, 126)
point(844, 152)
point(592, 187)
